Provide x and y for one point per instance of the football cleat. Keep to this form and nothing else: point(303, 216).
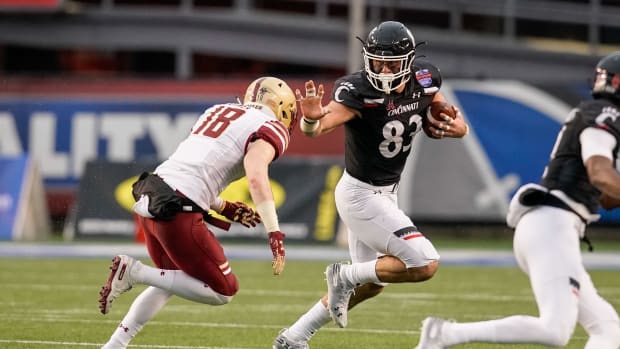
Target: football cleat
point(118, 282)
point(283, 342)
point(430, 334)
point(338, 294)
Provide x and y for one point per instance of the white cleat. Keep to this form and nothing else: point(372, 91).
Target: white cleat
point(118, 282)
point(283, 342)
point(430, 334)
point(338, 294)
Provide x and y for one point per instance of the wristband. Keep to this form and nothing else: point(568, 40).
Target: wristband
point(218, 204)
point(267, 212)
point(308, 126)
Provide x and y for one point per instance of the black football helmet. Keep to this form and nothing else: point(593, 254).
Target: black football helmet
point(393, 44)
point(607, 77)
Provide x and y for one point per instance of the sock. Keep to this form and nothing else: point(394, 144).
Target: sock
point(309, 323)
point(178, 283)
point(512, 329)
point(360, 273)
point(143, 308)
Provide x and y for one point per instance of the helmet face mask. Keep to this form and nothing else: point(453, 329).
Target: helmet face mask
point(276, 95)
point(607, 78)
point(391, 45)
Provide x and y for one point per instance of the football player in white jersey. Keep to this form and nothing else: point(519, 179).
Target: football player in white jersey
point(550, 218)
point(227, 142)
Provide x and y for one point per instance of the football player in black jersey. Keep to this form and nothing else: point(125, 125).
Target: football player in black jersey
point(550, 218)
point(382, 108)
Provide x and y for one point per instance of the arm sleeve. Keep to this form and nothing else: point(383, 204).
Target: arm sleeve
point(596, 141)
point(274, 133)
point(346, 93)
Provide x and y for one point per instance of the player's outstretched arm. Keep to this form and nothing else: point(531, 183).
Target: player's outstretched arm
point(256, 164)
point(318, 119)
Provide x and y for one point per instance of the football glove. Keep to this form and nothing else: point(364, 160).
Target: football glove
point(276, 242)
point(240, 213)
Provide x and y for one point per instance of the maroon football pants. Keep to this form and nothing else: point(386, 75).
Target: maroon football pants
point(185, 243)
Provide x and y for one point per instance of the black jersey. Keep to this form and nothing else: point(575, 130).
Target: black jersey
point(378, 141)
point(565, 170)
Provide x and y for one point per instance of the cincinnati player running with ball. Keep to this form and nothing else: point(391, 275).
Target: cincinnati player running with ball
point(382, 108)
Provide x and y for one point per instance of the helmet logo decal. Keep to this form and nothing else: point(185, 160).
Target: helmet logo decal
point(256, 88)
point(261, 93)
point(424, 77)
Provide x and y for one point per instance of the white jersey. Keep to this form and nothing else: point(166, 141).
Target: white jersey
point(212, 155)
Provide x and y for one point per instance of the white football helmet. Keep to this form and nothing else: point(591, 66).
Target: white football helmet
point(276, 95)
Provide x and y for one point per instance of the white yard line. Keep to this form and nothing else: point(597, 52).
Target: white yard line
point(98, 345)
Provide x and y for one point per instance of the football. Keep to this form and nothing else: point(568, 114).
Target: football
point(434, 111)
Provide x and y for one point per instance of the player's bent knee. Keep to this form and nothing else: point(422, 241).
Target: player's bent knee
point(558, 335)
point(558, 339)
point(423, 273)
point(229, 286)
point(223, 299)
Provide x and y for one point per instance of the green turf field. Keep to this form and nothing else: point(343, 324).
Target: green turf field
point(52, 303)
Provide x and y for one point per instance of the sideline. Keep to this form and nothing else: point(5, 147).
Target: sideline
point(474, 257)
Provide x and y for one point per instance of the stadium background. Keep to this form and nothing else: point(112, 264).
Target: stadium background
point(115, 82)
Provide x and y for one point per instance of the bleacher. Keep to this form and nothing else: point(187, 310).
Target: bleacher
point(188, 39)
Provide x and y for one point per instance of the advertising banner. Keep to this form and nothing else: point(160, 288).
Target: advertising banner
point(513, 128)
point(12, 172)
point(303, 192)
point(65, 134)
point(23, 210)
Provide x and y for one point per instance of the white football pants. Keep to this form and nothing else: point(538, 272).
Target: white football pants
point(546, 246)
point(371, 215)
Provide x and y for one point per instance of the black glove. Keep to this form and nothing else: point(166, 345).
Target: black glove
point(240, 213)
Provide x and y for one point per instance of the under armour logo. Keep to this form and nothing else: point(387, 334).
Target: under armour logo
point(125, 328)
